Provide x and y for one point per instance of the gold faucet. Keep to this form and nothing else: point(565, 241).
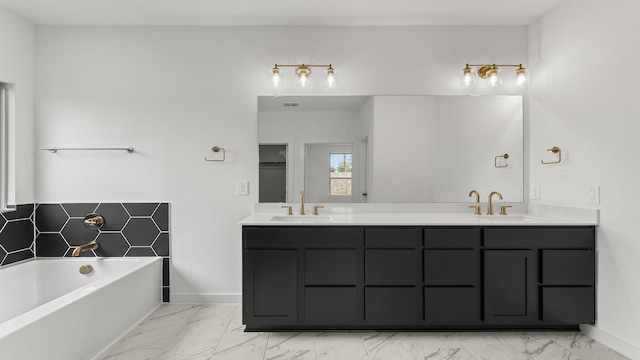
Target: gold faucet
point(90, 246)
point(477, 207)
point(301, 202)
point(490, 207)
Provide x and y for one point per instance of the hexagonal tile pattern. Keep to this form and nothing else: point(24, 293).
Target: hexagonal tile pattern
point(2, 222)
point(161, 245)
point(141, 232)
point(21, 212)
point(51, 245)
point(140, 251)
point(80, 209)
point(18, 256)
point(111, 244)
point(140, 209)
point(50, 217)
point(115, 217)
point(17, 235)
point(161, 216)
point(2, 255)
point(77, 234)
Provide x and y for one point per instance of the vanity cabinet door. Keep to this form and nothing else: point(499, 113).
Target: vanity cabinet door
point(510, 284)
point(270, 287)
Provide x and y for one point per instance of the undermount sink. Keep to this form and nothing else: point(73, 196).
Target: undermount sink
point(302, 218)
point(509, 218)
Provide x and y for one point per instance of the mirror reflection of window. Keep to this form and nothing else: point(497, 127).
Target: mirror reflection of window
point(340, 175)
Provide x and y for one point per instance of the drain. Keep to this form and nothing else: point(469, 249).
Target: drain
point(86, 269)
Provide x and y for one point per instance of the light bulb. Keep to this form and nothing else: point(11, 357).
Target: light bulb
point(330, 78)
point(521, 76)
point(276, 79)
point(493, 77)
point(303, 73)
point(468, 77)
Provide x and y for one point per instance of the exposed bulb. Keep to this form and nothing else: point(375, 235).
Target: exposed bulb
point(521, 76)
point(330, 78)
point(467, 77)
point(276, 79)
point(493, 77)
point(303, 73)
point(303, 80)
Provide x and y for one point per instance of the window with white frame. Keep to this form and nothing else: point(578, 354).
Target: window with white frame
point(6, 111)
point(341, 174)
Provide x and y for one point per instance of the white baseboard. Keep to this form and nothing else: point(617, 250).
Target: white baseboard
point(623, 347)
point(221, 298)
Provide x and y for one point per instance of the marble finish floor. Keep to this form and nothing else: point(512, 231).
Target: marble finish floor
point(215, 332)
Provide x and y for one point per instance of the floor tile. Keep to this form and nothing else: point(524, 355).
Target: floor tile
point(391, 346)
point(337, 346)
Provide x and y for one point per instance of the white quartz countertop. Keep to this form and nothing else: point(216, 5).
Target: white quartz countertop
point(413, 219)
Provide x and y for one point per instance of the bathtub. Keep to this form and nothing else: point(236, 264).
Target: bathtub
point(48, 310)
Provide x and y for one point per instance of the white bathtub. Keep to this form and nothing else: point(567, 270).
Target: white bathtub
point(48, 310)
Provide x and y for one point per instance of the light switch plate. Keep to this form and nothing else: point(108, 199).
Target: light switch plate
point(592, 194)
point(242, 187)
point(535, 192)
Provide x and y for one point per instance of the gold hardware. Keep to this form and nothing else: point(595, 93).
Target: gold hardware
point(301, 202)
point(289, 211)
point(93, 221)
point(86, 269)
point(216, 149)
point(303, 71)
point(315, 209)
point(477, 207)
point(90, 246)
point(555, 150)
point(503, 209)
point(487, 71)
point(495, 161)
point(490, 206)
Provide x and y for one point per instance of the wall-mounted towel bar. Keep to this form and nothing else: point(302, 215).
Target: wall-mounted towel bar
point(55, 150)
point(555, 150)
point(216, 149)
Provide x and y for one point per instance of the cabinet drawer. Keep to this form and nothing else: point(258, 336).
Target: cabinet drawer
point(390, 267)
point(568, 267)
point(574, 305)
point(452, 238)
point(330, 267)
point(452, 305)
point(303, 236)
point(390, 305)
point(452, 267)
point(392, 238)
point(541, 238)
point(330, 305)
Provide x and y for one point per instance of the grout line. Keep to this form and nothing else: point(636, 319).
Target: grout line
point(226, 330)
point(466, 348)
point(364, 343)
point(414, 345)
point(266, 347)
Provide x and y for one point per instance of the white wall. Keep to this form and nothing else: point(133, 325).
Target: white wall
point(17, 57)
point(585, 93)
point(404, 129)
point(174, 92)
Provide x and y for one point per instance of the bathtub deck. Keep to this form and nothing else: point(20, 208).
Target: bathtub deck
point(215, 332)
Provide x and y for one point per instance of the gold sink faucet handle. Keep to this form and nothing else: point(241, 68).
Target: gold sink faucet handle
point(477, 209)
point(289, 209)
point(315, 209)
point(503, 209)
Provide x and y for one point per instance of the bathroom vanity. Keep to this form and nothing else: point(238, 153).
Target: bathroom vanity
point(431, 274)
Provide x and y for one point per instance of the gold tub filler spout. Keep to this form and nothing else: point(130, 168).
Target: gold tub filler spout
point(90, 246)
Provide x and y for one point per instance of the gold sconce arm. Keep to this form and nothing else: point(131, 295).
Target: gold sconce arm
point(555, 150)
point(495, 161)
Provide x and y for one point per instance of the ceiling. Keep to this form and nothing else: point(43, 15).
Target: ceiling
point(280, 12)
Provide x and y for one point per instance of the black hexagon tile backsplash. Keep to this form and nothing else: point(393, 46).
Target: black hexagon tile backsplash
point(55, 230)
point(16, 234)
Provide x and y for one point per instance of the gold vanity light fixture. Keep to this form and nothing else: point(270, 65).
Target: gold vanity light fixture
point(491, 73)
point(303, 72)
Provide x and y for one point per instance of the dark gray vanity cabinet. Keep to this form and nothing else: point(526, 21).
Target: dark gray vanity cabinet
point(430, 278)
point(452, 276)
